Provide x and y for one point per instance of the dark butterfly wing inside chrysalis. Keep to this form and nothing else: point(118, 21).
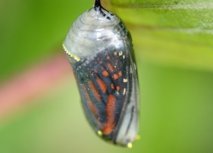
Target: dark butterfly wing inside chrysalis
point(103, 84)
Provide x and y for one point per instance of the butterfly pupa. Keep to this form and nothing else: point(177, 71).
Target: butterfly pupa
point(100, 51)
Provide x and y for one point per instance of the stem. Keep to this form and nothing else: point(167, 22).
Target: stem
point(98, 7)
point(97, 4)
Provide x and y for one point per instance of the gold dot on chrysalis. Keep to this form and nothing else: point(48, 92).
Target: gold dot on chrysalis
point(129, 145)
point(100, 133)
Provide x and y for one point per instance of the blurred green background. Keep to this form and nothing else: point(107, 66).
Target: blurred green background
point(174, 50)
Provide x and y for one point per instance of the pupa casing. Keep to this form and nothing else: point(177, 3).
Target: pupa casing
point(100, 52)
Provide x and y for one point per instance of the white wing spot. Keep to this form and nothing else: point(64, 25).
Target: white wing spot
point(124, 91)
point(125, 80)
point(120, 53)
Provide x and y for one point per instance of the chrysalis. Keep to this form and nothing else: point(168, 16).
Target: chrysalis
point(100, 52)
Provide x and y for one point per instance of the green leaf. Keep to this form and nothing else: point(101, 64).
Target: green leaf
point(172, 32)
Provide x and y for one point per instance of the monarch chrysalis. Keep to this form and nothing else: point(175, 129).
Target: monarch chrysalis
point(100, 52)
